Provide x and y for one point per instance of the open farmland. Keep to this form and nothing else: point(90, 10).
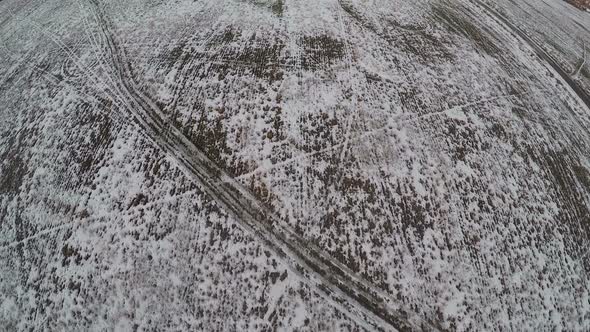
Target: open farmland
point(294, 165)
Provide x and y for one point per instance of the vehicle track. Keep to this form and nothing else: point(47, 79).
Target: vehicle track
point(399, 120)
point(539, 51)
point(356, 297)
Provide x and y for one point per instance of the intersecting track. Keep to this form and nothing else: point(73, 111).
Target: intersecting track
point(349, 292)
point(539, 51)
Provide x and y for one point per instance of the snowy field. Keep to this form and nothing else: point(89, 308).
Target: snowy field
point(310, 165)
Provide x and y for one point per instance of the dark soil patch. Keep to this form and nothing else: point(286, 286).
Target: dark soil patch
point(263, 60)
point(14, 168)
point(459, 23)
point(320, 51)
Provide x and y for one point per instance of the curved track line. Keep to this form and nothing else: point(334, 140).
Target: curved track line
point(399, 120)
point(582, 94)
point(344, 288)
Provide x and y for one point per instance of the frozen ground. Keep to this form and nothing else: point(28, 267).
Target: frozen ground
point(294, 165)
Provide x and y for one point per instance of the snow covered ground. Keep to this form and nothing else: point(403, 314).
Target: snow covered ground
point(283, 165)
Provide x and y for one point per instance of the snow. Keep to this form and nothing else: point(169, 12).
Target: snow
point(424, 148)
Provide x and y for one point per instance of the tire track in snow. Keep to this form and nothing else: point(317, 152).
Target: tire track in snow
point(399, 120)
point(94, 221)
point(582, 94)
point(342, 287)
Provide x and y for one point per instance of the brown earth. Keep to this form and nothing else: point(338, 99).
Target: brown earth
point(581, 4)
